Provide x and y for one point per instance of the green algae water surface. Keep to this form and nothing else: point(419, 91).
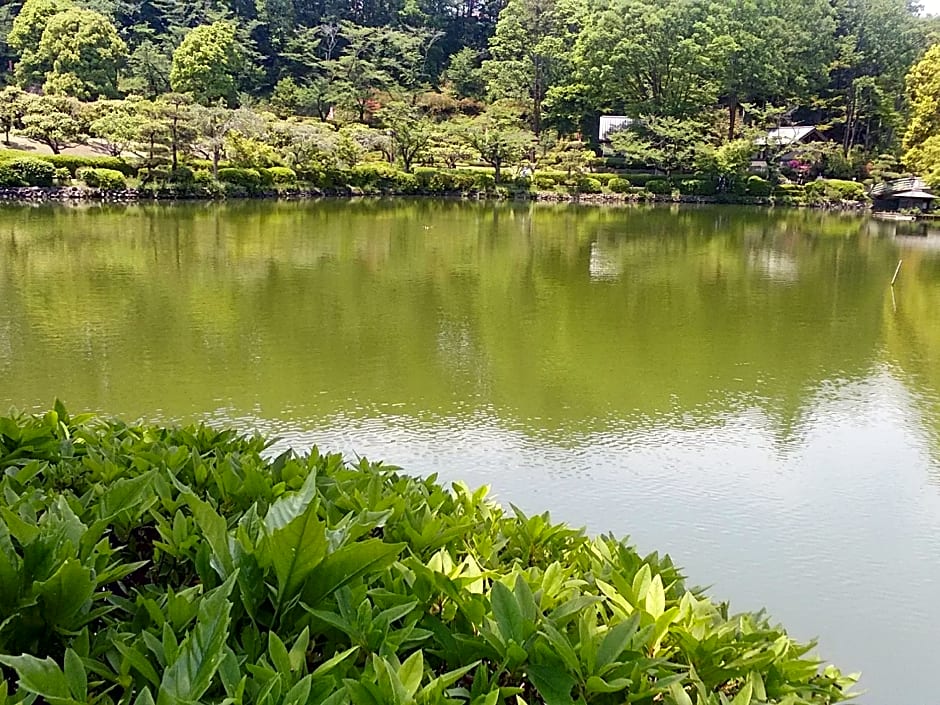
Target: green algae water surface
point(740, 388)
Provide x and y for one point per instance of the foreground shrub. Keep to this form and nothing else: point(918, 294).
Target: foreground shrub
point(661, 187)
point(834, 190)
point(282, 175)
point(144, 564)
point(588, 184)
point(757, 186)
point(619, 185)
point(27, 171)
point(107, 179)
point(248, 179)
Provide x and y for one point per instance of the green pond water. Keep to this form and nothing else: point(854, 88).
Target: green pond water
point(740, 388)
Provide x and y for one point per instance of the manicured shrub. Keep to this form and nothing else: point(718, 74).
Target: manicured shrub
point(822, 190)
point(605, 177)
point(63, 176)
point(202, 177)
point(661, 187)
point(483, 181)
point(28, 171)
point(587, 184)
point(757, 186)
point(74, 163)
point(248, 179)
point(282, 175)
point(182, 175)
point(619, 185)
point(382, 176)
point(107, 179)
point(544, 181)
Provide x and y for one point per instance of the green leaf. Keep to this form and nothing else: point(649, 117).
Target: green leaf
point(76, 676)
point(596, 684)
point(324, 668)
point(125, 494)
point(347, 564)
point(679, 695)
point(291, 506)
point(411, 673)
point(66, 593)
point(215, 529)
point(277, 652)
point(295, 550)
point(138, 661)
point(508, 614)
point(189, 676)
point(553, 683)
point(744, 695)
point(42, 677)
point(298, 652)
point(656, 597)
point(615, 641)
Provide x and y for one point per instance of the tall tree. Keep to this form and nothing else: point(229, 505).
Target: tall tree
point(644, 57)
point(878, 41)
point(769, 51)
point(498, 136)
point(531, 51)
point(923, 130)
point(206, 64)
point(83, 52)
point(25, 37)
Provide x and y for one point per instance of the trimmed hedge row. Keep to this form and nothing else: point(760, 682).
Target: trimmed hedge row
point(72, 162)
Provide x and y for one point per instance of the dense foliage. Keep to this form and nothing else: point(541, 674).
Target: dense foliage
point(541, 72)
point(152, 565)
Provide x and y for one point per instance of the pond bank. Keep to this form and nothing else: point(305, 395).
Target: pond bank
point(78, 194)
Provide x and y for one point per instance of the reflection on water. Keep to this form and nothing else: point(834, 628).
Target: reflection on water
point(735, 386)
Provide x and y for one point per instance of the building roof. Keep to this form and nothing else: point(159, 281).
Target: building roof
point(611, 123)
point(893, 189)
point(787, 135)
point(913, 194)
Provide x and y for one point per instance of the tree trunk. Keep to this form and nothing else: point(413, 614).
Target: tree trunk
point(215, 163)
point(732, 117)
point(497, 168)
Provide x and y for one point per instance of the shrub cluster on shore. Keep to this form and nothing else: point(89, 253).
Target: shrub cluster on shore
point(196, 180)
point(145, 565)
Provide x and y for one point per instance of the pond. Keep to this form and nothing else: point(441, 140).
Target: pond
point(739, 388)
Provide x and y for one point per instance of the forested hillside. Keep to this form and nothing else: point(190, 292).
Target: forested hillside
point(695, 72)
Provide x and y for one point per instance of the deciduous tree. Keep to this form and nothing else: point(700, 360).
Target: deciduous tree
point(206, 64)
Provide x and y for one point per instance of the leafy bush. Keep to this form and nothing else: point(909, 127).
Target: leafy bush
point(756, 186)
point(181, 175)
point(248, 179)
point(382, 176)
point(107, 179)
point(619, 185)
point(698, 187)
point(63, 176)
point(145, 564)
point(27, 171)
point(282, 175)
point(202, 177)
point(544, 181)
point(74, 163)
point(605, 177)
point(661, 187)
point(834, 190)
point(483, 181)
point(587, 184)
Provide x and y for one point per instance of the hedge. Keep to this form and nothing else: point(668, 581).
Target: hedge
point(107, 179)
point(27, 171)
